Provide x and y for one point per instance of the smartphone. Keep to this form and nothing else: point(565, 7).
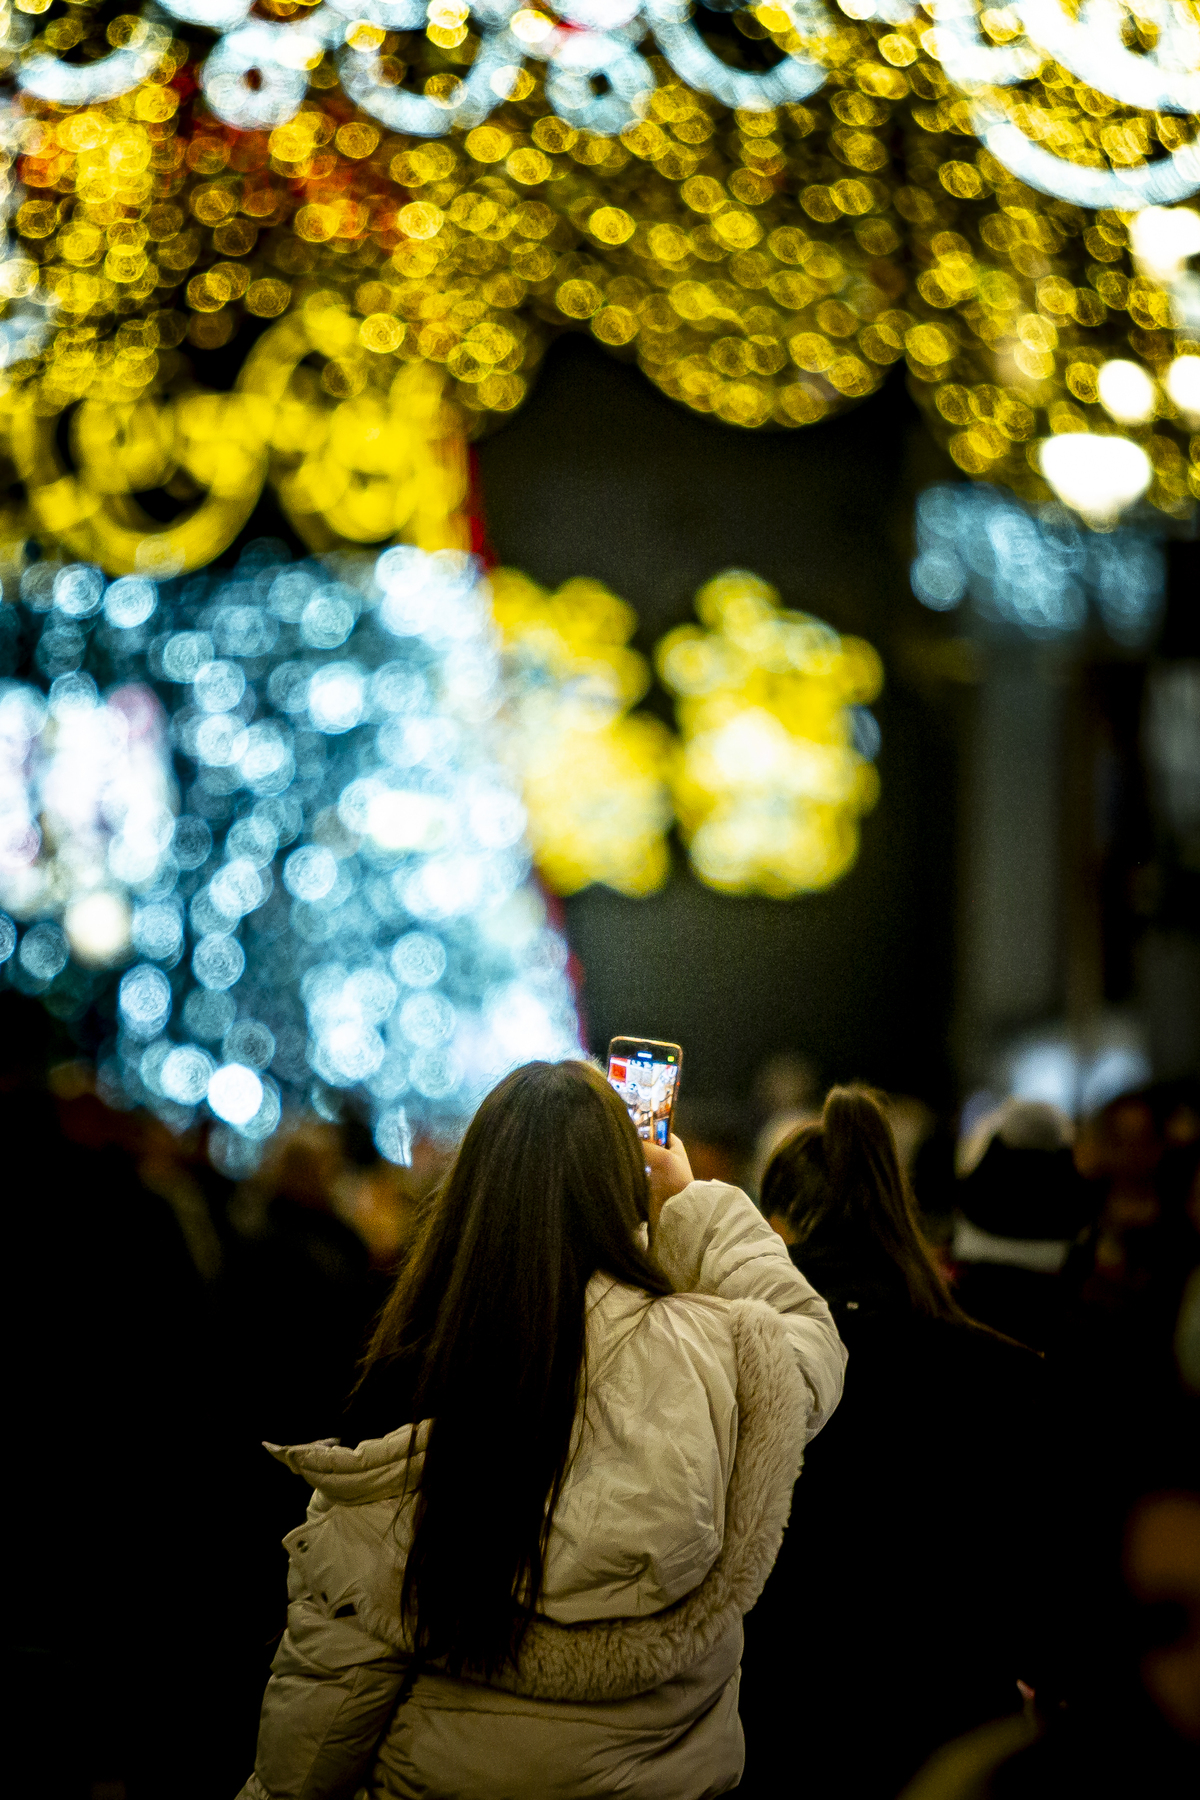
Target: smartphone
point(646, 1075)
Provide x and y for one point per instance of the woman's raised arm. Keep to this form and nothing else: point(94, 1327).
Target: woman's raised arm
point(710, 1238)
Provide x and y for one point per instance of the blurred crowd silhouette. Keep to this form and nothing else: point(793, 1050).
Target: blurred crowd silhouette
point(168, 1321)
point(984, 1508)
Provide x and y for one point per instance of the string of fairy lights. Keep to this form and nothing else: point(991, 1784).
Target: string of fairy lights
point(598, 80)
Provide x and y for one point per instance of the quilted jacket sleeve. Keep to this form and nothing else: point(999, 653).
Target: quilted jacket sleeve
point(332, 1691)
point(712, 1239)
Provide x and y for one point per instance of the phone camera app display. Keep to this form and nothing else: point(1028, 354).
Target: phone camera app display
point(648, 1089)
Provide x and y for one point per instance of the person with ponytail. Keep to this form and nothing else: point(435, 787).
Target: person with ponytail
point(905, 1604)
point(569, 1467)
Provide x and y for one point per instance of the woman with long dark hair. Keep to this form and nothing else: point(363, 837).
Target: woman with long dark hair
point(530, 1580)
point(902, 1609)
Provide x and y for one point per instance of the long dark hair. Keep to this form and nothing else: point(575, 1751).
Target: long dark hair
point(841, 1179)
point(484, 1331)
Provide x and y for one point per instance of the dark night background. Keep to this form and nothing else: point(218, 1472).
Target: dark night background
point(603, 476)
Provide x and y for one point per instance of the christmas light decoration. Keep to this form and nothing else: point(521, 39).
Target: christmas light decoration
point(1034, 570)
point(87, 801)
point(318, 760)
point(461, 253)
point(337, 904)
point(1034, 316)
point(775, 770)
point(24, 328)
point(257, 75)
point(278, 821)
point(593, 776)
point(524, 171)
point(370, 453)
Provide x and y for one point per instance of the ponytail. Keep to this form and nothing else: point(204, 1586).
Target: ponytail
point(845, 1173)
point(860, 1151)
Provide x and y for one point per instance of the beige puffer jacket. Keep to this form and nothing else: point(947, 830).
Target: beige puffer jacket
point(670, 1518)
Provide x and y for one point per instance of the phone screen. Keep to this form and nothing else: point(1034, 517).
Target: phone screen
point(646, 1075)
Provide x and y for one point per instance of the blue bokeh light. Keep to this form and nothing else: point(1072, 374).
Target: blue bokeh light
point(1035, 571)
point(341, 910)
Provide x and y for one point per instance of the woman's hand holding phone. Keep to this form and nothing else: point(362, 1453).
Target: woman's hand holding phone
point(670, 1172)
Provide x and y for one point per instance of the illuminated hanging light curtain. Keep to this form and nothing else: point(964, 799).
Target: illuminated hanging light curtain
point(1058, 347)
point(737, 211)
point(337, 903)
point(471, 60)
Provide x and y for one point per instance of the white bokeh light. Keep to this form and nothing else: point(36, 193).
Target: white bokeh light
point(1100, 477)
point(1183, 385)
point(235, 1093)
point(99, 927)
point(1126, 391)
point(129, 602)
point(1163, 239)
point(185, 1074)
point(145, 1001)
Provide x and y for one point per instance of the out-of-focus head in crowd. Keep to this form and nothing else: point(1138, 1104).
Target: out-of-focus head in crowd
point(1019, 1199)
point(322, 1166)
point(1162, 1572)
point(1142, 1152)
point(837, 1185)
point(786, 1095)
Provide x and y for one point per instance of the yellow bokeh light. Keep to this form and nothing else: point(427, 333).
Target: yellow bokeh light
point(121, 448)
point(768, 786)
point(764, 779)
point(1032, 296)
point(768, 266)
point(370, 452)
point(594, 779)
point(673, 243)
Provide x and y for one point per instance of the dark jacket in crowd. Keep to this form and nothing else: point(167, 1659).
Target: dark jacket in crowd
point(903, 1607)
